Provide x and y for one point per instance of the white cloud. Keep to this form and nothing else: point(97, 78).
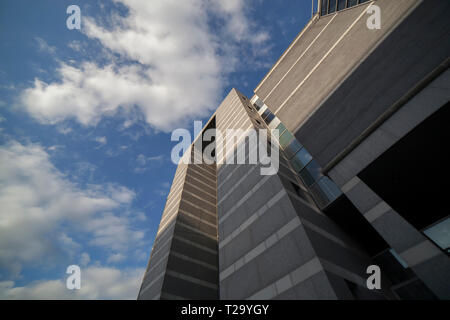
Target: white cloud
point(85, 258)
point(175, 69)
point(101, 140)
point(116, 257)
point(43, 46)
point(44, 217)
point(143, 163)
point(96, 283)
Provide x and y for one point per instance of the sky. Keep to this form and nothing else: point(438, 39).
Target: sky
point(85, 125)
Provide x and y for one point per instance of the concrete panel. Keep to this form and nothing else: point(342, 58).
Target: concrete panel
point(410, 52)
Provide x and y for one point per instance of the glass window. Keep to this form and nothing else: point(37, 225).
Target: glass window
point(332, 7)
point(258, 104)
point(300, 160)
point(285, 139)
point(324, 7)
point(269, 118)
point(341, 4)
point(265, 113)
point(352, 3)
point(440, 234)
point(311, 173)
point(325, 191)
point(292, 148)
point(362, 1)
point(280, 129)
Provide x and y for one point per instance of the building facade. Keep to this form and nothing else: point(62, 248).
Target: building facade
point(361, 116)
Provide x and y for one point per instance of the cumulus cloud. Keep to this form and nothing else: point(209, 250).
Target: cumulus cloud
point(96, 283)
point(166, 61)
point(44, 217)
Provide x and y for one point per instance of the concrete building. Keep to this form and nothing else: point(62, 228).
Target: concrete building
point(361, 114)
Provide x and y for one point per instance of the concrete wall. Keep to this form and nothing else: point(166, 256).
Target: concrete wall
point(184, 259)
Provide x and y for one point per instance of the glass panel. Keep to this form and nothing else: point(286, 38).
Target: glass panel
point(341, 4)
point(300, 160)
point(292, 149)
point(352, 3)
point(258, 104)
point(332, 7)
point(269, 118)
point(285, 139)
point(281, 129)
point(265, 113)
point(323, 9)
point(362, 1)
point(325, 191)
point(263, 108)
point(440, 233)
point(310, 173)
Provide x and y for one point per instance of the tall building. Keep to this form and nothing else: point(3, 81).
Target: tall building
point(362, 116)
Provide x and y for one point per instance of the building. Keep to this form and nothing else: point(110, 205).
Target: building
point(361, 114)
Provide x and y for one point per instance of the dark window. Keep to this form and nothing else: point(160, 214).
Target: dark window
point(332, 6)
point(324, 7)
point(285, 139)
point(292, 148)
point(352, 3)
point(311, 173)
point(341, 4)
point(325, 192)
point(300, 160)
point(258, 104)
point(265, 113)
point(269, 118)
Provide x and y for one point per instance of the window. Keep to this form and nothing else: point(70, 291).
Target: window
point(324, 7)
point(325, 192)
point(300, 160)
point(265, 113)
point(285, 139)
point(258, 104)
point(341, 4)
point(292, 148)
point(280, 129)
point(269, 118)
point(311, 173)
point(332, 6)
point(439, 233)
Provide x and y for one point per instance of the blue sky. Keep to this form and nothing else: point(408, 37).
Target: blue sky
point(85, 123)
